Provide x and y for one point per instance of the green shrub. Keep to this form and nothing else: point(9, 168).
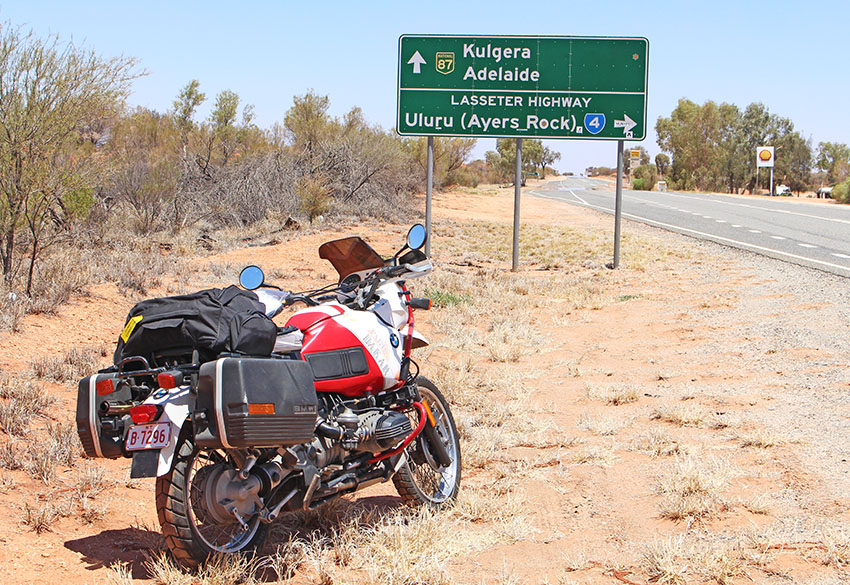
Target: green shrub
point(441, 299)
point(645, 177)
point(841, 192)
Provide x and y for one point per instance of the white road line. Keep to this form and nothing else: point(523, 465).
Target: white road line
point(755, 232)
point(577, 197)
point(690, 197)
point(735, 225)
point(712, 237)
point(806, 245)
point(777, 238)
point(720, 221)
point(841, 255)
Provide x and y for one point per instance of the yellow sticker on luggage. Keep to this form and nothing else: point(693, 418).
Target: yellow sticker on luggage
point(131, 324)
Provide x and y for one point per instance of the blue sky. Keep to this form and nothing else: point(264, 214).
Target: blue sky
point(791, 56)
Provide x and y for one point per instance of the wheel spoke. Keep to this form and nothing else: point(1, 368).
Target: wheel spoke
point(435, 483)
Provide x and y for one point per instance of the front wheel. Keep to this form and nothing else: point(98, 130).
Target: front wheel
point(193, 526)
point(422, 479)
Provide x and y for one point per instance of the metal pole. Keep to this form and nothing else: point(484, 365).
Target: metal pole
point(429, 178)
point(618, 204)
point(757, 181)
point(771, 180)
point(517, 186)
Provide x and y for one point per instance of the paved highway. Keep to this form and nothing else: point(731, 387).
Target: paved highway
point(809, 233)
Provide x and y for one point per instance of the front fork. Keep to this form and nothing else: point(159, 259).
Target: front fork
point(431, 438)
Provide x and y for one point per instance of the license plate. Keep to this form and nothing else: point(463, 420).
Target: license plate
point(152, 436)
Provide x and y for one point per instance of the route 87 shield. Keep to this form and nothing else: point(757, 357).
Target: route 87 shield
point(445, 62)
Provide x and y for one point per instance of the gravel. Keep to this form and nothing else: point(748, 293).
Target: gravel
point(790, 325)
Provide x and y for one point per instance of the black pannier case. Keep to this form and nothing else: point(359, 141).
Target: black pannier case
point(96, 442)
point(254, 402)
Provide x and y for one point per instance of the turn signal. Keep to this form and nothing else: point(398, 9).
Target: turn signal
point(143, 413)
point(169, 380)
point(104, 387)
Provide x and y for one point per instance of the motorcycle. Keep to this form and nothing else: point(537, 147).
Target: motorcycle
point(337, 405)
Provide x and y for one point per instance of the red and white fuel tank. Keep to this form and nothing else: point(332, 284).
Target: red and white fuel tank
point(351, 352)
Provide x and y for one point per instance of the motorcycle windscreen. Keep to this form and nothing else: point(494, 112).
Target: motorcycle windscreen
point(350, 255)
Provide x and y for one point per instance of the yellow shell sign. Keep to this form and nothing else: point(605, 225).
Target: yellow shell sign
point(764, 156)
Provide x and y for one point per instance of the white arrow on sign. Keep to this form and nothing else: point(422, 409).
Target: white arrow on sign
point(626, 124)
point(417, 62)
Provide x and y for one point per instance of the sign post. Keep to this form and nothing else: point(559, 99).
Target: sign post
point(429, 178)
point(765, 155)
point(517, 189)
point(586, 88)
point(618, 203)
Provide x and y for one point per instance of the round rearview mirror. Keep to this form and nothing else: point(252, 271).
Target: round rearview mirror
point(416, 237)
point(252, 277)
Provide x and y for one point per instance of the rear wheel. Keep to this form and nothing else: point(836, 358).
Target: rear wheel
point(193, 528)
point(422, 480)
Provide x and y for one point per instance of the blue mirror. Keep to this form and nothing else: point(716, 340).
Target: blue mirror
point(416, 237)
point(252, 277)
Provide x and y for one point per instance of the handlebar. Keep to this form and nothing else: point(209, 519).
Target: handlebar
point(360, 301)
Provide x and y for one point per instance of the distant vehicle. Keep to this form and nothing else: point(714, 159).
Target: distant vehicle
point(783, 190)
point(824, 192)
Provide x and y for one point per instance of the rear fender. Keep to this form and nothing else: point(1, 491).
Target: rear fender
point(176, 405)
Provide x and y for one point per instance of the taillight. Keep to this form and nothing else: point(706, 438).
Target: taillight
point(104, 387)
point(143, 413)
point(169, 380)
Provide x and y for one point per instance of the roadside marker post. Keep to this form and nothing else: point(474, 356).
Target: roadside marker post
point(572, 88)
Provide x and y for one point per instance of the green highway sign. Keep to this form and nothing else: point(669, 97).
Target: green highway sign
point(523, 87)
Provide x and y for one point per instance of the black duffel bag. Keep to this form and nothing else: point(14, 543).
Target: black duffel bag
point(211, 321)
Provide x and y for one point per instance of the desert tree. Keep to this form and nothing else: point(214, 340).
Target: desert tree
point(185, 106)
point(450, 155)
point(308, 123)
point(144, 154)
point(50, 94)
point(834, 159)
point(662, 163)
point(548, 157)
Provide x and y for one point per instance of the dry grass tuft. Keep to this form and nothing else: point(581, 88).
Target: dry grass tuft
point(10, 456)
point(673, 560)
point(89, 481)
point(836, 547)
point(606, 426)
point(614, 394)
point(689, 414)
point(665, 561)
point(39, 518)
point(6, 482)
point(761, 439)
point(657, 443)
point(721, 562)
point(691, 490)
point(74, 365)
point(119, 573)
point(24, 399)
point(217, 570)
point(43, 454)
point(603, 456)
